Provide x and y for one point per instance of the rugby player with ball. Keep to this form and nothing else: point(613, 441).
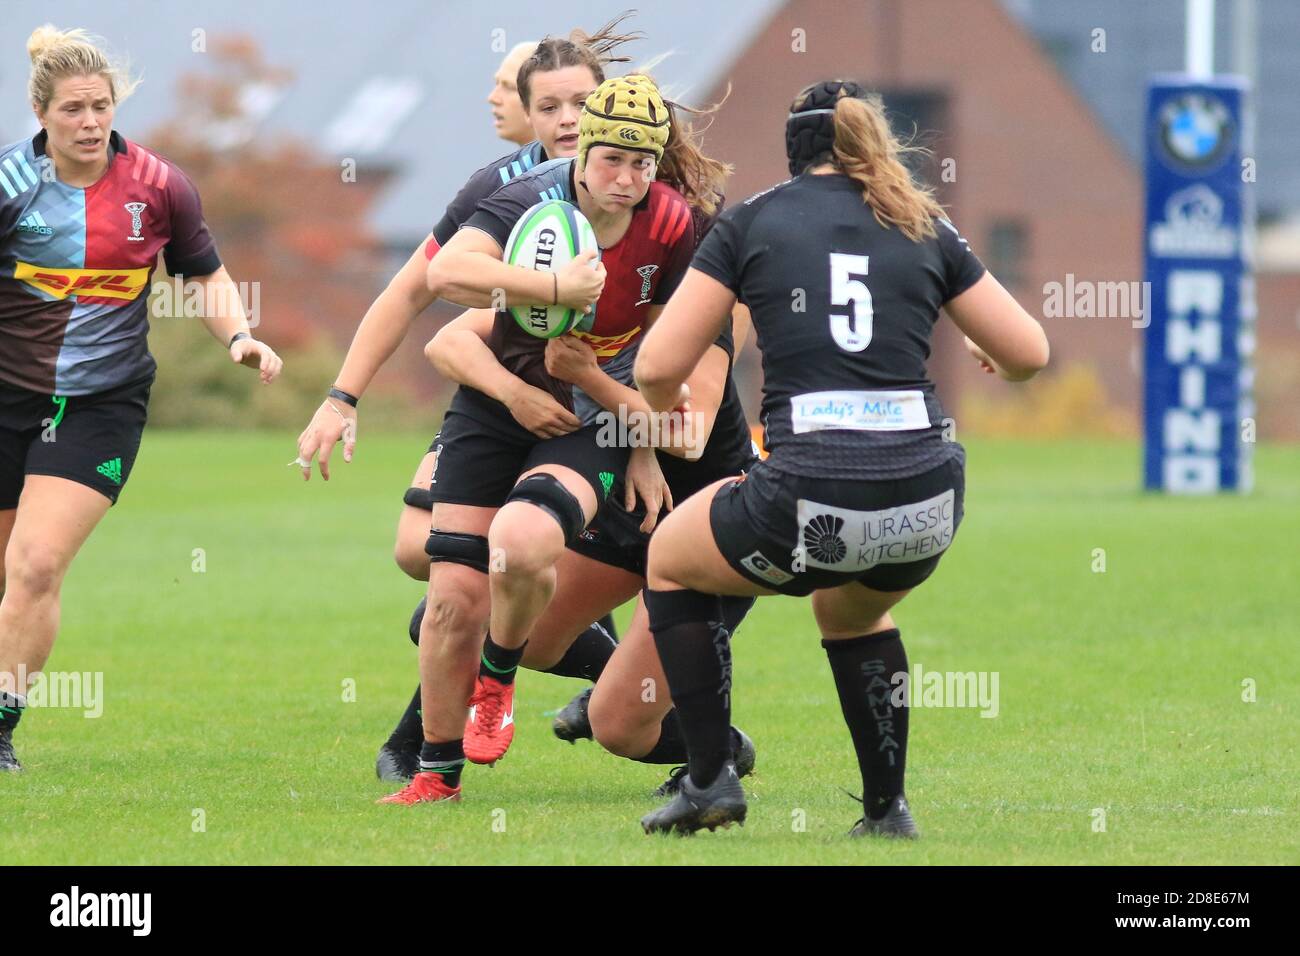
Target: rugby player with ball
point(512, 500)
point(548, 84)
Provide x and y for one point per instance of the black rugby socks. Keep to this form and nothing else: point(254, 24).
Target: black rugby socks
point(499, 662)
point(11, 710)
point(864, 669)
point(671, 745)
point(695, 650)
point(447, 759)
point(589, 653)
point(409, 732)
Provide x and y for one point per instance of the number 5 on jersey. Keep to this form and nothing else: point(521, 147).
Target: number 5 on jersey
point(851, 330)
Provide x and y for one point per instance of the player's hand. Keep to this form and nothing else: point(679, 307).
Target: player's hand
point(539, 412)
point(580, 283)
point(257, 355)
point(332, 423)
point(645, 481)
point(683, 403)
point(570, 359)
point(982, 357)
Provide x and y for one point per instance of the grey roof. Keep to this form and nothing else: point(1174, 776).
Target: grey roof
point(1146, 37)
point(402, 84)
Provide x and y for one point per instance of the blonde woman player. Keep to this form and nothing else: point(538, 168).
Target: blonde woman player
point(861, 494)
point(84, 213)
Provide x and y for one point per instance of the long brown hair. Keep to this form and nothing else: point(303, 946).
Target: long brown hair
point(867, 150)
point(699, 178)
point(592, 50)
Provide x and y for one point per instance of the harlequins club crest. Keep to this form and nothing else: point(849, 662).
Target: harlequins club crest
point(135, 209)
point(645, 272)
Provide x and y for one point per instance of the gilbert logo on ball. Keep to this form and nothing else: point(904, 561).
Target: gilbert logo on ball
point(548, 237)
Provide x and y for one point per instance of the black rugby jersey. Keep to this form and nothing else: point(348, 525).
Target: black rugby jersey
point(843, 309)
point(484, 183)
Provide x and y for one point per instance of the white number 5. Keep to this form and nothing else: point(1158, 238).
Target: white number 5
point(852, 332)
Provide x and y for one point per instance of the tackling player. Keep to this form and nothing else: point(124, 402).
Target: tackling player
point(551, 84)
point(861, 493)
point(605, 565)
point(84, 214)
point(506, 488)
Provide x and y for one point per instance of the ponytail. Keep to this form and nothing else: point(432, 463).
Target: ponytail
point(592, 50)
point(867, 151)
point(699, 178)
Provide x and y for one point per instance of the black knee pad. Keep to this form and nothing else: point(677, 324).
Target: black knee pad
point(470, 550)
point(416, 619)
point(549, 494)
point(418, 497)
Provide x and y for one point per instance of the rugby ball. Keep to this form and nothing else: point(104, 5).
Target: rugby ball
point(548, 237)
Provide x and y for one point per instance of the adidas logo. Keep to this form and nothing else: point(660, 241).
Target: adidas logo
point(35, 223)
point(112, 470)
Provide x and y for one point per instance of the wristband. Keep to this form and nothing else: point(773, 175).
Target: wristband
point(235, 338)
point(342, 396)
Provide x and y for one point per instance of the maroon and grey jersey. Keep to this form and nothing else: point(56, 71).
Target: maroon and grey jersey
point(643, 269)
point(75, 265)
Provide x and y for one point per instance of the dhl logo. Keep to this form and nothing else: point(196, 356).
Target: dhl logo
point(61, 283)
point(606, 346)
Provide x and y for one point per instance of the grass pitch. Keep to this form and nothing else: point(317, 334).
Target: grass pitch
point(233, 613)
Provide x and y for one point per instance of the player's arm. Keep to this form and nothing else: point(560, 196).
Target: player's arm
point(387, 322)
point(690, 323)
point(742, 323)
point(191, 252)
point(469, 272)
point(460, 352)
point(570, 359)
point(224, 317)
point(1000, 334)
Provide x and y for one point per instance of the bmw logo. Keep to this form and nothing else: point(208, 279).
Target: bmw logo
point(1195, 131)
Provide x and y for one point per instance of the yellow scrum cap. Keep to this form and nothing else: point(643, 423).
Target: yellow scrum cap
point(625, 112)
